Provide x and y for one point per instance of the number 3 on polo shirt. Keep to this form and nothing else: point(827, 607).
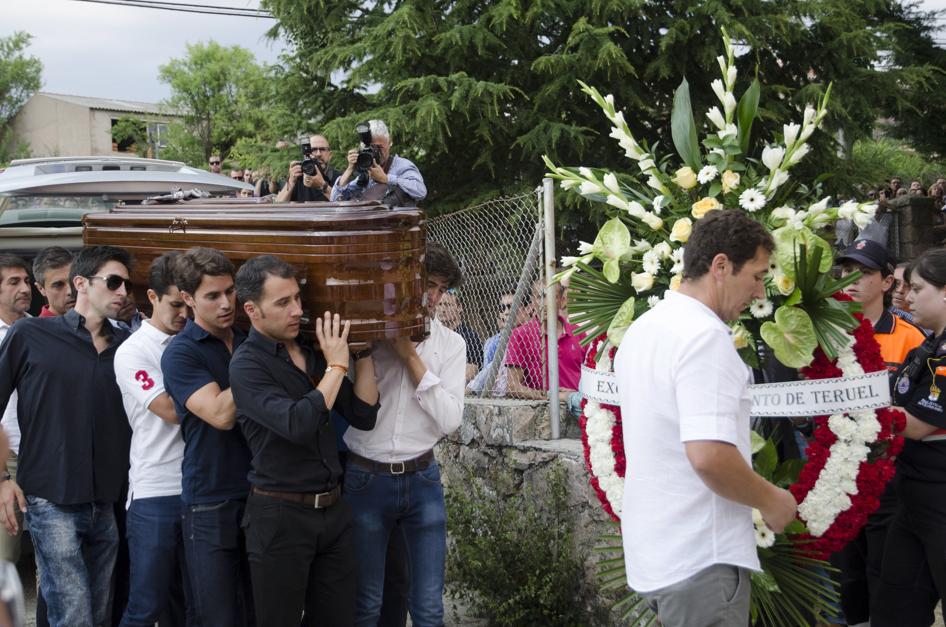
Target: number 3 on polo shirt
point(146, 382)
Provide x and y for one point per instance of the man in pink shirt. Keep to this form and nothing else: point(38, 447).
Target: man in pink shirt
point(526, 360)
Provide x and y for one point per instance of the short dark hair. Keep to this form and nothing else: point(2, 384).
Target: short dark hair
point(51, 258)
point(91, 259)
point(439, 262)
point(191, 267)
point(931, 267)
point(252, 275)
point(161, 273)
point(731, 233)
point(13, 261)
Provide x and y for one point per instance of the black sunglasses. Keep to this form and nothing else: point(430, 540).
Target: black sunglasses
point(214, 163)
point(114, 281)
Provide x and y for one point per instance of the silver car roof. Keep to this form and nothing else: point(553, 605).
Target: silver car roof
point(117, 177)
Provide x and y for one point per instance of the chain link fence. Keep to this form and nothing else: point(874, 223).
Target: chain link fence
point(499, 246)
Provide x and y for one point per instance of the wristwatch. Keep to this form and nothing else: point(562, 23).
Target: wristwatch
point(356, 355)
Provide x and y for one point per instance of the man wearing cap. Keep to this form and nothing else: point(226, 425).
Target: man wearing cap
point(860, 560)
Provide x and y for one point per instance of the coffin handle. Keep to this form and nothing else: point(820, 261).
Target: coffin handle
point(179, 223)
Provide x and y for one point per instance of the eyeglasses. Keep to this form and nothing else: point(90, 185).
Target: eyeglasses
point(214, 163)
point(318, 149)
point(114, 281)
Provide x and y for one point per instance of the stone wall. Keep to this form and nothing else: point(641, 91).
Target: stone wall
point(917, 226)
point(505, 438)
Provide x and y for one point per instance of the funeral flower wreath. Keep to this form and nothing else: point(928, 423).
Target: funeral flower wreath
point(638, 256)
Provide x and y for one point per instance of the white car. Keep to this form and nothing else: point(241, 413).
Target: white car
point(42, 201)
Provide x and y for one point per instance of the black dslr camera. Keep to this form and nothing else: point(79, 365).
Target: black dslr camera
point(309, 163)
point(367, 154)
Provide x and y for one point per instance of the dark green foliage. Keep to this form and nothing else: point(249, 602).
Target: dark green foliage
point(512, 560)
point(20, 78)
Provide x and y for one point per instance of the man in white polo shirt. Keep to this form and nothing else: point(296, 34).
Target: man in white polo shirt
point(154, 479)
point(690, 488)
point(15, 298)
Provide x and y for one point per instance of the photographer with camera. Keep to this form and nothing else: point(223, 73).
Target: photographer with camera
point(380, 175)
point(312, 178)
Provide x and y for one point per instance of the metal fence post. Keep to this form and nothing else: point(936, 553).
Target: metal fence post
point(551, 304)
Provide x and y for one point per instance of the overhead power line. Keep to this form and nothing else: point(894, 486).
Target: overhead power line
point(206, 9)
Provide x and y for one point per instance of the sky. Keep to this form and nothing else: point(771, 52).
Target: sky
point(109, 51)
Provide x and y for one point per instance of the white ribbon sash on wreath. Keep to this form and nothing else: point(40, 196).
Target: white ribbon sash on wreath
point(818, 397)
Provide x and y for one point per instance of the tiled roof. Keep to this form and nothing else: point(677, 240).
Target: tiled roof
point(111, 104)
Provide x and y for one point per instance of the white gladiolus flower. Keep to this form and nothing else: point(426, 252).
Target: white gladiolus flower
point(611, 182)
point(751, 200)
point(618, 119)
point(587, 188)
point(720, 90)
point(610, 100)
point(569, 261)
point(584, 248)
point(772, 156)
point(808, 116)
point(729, 131)
point(731, 77)
point(632, 150)
point(655, 183)
point(568, 183)
point(847, 210)
point(806, 132)
point(818, 207)
point(783, 213)
point(635, 209)
point(797, 221)
point(646, 164)
point(585, 172)
point(862, 219)
point(658, 203)
point(722, 64)
point(790, 132)
point(616, 201)
point(729, 103)
point(799, 154)
point(779, 178)
point(716, 118)
point(761, 308)
point(652, 301)
point(718, 151)
point(642, 282)
point(706, 174)
point(641, 246)
point(652, 221)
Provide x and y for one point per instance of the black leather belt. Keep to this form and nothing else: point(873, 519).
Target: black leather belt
point(317, 501)
point(422, 462)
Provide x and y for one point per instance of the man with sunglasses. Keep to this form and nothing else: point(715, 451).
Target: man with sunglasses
point(316, 188)
point(73, 458)
point(215, 164)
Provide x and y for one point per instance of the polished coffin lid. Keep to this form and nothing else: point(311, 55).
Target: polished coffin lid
point(362, 260)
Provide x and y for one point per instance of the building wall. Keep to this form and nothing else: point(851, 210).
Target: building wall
point(54, 128)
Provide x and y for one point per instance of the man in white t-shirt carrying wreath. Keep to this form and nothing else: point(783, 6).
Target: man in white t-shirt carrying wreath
point(155, 544)
point(687, 524)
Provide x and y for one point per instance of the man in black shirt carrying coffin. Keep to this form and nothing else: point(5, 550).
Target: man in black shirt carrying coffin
point(298, 530)
point(73, 457)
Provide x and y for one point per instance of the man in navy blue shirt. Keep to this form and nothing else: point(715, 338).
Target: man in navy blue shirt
point(216, 458)
point(73, 459)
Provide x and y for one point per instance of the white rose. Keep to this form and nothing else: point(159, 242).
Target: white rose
point(642, 282)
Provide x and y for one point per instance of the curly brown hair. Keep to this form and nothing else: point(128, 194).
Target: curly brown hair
point(731, 233)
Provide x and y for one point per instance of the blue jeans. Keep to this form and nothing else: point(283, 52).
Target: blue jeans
point(156, 552)
point(215, 552)
point(75, 547)
point(414, 503)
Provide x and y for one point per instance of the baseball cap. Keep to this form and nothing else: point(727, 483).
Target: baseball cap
point(869, 254)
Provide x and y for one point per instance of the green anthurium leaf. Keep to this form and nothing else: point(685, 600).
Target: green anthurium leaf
point(613, 241)
point(612, 270)
point(796, 527)
point(789, 240)
point(746, 112)
point(756, 441)
point(683, 128)
point(791, 336)
point(765, 460)
point(794, 298)
point(621, 322)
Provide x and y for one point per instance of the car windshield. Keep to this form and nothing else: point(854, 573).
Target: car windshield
point(49, 210)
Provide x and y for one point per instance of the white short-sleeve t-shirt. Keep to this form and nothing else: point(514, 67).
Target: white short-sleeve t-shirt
point(157, 448)
point(680, 380)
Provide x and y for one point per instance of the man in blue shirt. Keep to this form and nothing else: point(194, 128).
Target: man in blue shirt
point(403, 184)
point(74, 438)
point(216, 458)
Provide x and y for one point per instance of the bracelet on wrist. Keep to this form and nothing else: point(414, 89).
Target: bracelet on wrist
point(343, 369)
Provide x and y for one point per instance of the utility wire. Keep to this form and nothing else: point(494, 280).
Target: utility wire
point(170, 6)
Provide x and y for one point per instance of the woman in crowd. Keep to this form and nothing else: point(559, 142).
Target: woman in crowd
point(913, 576)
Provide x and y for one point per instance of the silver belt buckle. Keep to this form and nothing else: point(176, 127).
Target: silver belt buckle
point(398, 472)
point(315, 503)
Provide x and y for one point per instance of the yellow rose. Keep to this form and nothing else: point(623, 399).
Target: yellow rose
point(675, 282)
point(642, 282)
point(681, 230)
point(685, 177)
point(739, 338)
point(784, 284)
point(730, 181)
point(704, 206)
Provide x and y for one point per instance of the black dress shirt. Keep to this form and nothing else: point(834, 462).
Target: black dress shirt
point(301, 193)
point(74, 432)
point(284, 417)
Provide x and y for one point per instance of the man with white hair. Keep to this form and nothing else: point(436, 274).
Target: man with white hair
point(403, 183)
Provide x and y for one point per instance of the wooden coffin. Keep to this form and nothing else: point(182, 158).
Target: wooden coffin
point(362, 260)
